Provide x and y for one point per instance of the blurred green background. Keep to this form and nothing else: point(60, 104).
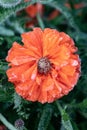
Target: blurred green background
point(69, 16)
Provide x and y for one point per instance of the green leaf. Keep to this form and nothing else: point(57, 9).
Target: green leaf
point(5, 31)
point(77, 35)
point(44, 1)
point(9, 3)
point(5, 95)
point(15, 24)
point(82, 105)
point(45, 118)
point(5, 13)
point(66, 121)
point(17, 100)
point(3, 67)
point(65, 117)
point(74, 125)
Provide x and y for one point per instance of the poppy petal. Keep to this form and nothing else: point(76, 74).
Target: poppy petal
point(33, 40)
point(19, 55)
point(51, 40)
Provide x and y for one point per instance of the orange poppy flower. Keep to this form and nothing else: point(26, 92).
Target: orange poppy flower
point(76, 6)
point(46, 67)
point(32, 12)
point(34, 9)
point(54, 14)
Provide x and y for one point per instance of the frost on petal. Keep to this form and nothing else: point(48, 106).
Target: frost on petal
point(34, 92)
point(47, 84)
point(68, 70)
point(60, 56)
point(33, 40)
point(23, 88)
point(15, 73)
point(18, 55)
point(42, 97)
point(30, 73)
point(50, 41)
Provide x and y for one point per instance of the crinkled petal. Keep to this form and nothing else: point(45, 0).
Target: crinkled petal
point(54, 94)
point(47, 83)
point(64, 79)
point(23, 88)
point(65, 88)
point(65, 38)
point(30, 73)
point(60, 58)
point(18, 55)
point(51, 40)
point(33, 41)
point(33, 95)
point(17, 73)
point(42, 97)
point(74, 79)
point(28, 90)
point(69, 70)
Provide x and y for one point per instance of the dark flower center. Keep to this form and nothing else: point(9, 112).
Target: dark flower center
point(44, 65)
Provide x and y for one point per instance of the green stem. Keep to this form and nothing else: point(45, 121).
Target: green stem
point(40, 21)
point(6, 123)
point(59, 106)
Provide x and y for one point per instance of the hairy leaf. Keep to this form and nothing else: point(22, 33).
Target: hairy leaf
point(45, 118)
point(66, 121)
point(17, 100)
point(9, 3)
point(5, 13)
point(6, 31)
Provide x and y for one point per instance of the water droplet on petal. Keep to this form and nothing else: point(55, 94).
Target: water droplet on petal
point(74, 63)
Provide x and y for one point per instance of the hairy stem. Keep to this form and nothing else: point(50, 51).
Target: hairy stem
point(6, 123)
point(40, 21)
